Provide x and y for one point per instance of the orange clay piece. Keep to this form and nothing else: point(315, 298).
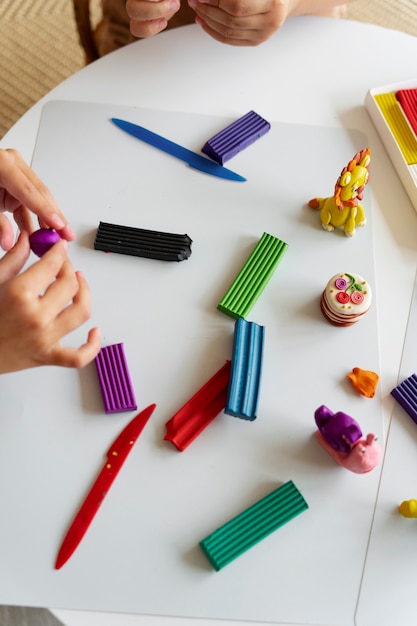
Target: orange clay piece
point(364, 381)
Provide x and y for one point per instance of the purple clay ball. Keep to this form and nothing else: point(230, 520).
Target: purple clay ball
point(43, 239)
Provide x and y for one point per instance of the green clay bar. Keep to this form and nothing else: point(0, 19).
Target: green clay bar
point(253, 277)
point(253, 525)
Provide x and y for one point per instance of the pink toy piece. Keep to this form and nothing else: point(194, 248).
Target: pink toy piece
point(42, 240)
point(364, 456)
point(339, 430)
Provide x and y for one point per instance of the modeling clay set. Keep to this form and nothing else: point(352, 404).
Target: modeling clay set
point(238, 323)
point(393, 111)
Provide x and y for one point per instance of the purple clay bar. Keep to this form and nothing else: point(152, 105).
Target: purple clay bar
point(116, 385)
point(42, 240)
point(235, 137)
point(406, 396)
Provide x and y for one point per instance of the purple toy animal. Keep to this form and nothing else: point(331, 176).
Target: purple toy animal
point(339, 429)
point(341, 436)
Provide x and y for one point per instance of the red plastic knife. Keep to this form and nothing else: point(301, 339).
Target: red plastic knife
point(116, 456)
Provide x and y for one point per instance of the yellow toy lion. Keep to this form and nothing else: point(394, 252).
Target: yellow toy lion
point(343, 209)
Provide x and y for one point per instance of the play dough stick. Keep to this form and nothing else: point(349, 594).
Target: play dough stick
point(246, 372)
point(116, 385)
point(151, 244)
point(253, 525)
point(253, 277)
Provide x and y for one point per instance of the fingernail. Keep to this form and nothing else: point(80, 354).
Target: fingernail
point(192, 3)
point(174, 5)
point(70, 232)
point(57, 222)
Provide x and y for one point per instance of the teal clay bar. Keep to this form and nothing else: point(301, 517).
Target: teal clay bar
point(258, 521)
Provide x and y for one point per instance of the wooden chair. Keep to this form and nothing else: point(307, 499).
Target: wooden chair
point(88, 20)
point(82, 13)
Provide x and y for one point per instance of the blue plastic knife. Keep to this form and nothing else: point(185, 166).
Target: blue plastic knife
point(193, 159)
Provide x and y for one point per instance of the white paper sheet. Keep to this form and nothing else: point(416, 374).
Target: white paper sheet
point(141, 553)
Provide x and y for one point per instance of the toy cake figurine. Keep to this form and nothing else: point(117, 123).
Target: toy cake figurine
point(341, 436)
point(346, 299)
point(343, 209)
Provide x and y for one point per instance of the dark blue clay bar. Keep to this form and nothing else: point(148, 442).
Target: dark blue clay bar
point(235, 137)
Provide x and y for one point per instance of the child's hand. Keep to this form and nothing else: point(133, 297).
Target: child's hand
point(250, 23)
point(21, 192)
point(239, 22)
point(149, 17)
point(39, 307)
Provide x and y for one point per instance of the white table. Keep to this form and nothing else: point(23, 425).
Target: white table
point(314, 71)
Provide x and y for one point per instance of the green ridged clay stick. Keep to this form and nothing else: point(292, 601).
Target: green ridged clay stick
point(253, 277)
point(258, 521)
